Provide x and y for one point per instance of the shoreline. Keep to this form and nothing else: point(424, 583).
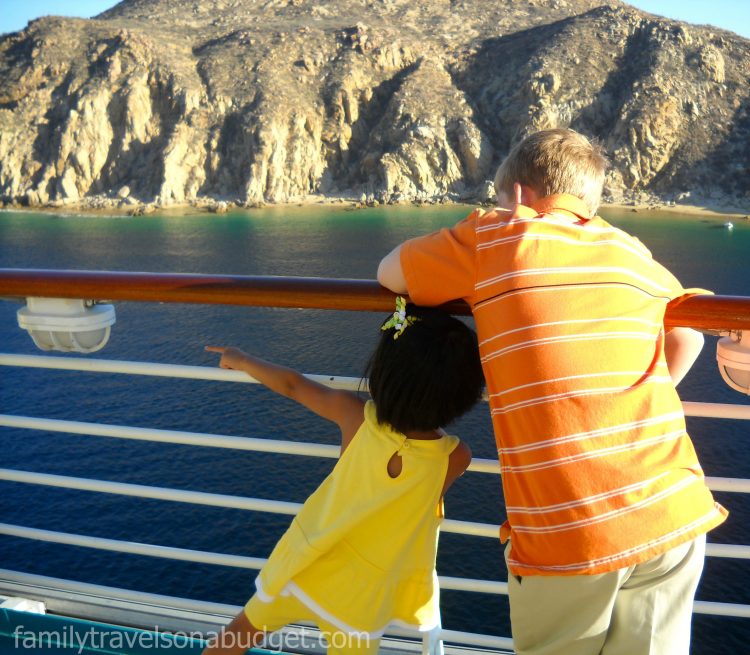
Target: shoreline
point(126, 210)
point(706, 210)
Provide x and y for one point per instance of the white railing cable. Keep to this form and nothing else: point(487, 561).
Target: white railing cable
point(696, 409)
point(476, 641)
point(154, 493)
point(132, 547)
point(242, 561)
point(203, 557)
point(171, 436)
point(203, 498)
point(721, 609)
point(159, 370)
point(716, 410)
point(709, 410)
point(239, 561)
point(196, 439)
point(21, 583)
point(452, 526)
point(29, 584)
point(736, 485)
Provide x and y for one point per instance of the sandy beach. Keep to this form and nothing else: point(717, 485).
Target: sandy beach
point(707, 210)
point(107, 207)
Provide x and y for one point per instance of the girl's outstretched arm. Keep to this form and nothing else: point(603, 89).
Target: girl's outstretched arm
point(344, 408)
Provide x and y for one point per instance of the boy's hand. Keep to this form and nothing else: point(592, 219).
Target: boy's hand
point(231, 358)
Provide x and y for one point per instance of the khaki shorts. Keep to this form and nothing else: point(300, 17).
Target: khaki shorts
point(284, 610)
point(638, 610)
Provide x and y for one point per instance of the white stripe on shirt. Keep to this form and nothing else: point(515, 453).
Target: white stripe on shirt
point(574, 394)
point(592, 454)
point(615, 319)
point(543, 219)
point(583, 376)
point(574, 242)
point(568, 338)
point(588, 500)
point(606, 516)
point(591, 434)
point(630, 552)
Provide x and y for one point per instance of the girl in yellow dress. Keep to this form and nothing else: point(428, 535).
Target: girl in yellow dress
point(360, 555)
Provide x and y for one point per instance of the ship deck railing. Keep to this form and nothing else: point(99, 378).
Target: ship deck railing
point(139, 609)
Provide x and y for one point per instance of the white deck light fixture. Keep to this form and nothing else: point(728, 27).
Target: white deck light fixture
point(67, 325)
point(733, 356)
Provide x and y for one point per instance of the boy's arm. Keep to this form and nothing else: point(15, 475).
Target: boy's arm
point(434, 268)
point(681, 348)
point(390, 272)
point(344, 408)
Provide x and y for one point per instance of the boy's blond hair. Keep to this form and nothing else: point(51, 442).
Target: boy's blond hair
point(555, 161)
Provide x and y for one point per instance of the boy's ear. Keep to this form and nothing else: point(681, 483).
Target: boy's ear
point(524, 195)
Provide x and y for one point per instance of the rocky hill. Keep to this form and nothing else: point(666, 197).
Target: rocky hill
point(159, 102)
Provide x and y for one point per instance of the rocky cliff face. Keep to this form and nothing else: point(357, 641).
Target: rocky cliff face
point(178, 101)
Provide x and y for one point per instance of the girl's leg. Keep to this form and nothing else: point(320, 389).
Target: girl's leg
point(235, 638)
point(342, 643)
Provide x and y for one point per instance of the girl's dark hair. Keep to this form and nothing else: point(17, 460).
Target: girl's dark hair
point(427, 377)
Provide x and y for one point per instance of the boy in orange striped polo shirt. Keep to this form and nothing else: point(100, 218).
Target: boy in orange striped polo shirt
point(607, 504)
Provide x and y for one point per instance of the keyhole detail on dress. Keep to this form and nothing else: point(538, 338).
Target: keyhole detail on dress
point(394, 465)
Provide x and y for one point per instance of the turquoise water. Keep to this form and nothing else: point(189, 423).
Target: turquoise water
point(312, 241)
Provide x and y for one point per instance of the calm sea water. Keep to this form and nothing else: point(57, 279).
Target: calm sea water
point(312, 241)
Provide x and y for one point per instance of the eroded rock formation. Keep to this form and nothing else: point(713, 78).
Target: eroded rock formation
point(177, 101)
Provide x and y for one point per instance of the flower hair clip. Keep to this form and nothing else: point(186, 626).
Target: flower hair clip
point(399, 321)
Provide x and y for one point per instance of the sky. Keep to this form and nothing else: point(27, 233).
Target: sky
point(729, 14)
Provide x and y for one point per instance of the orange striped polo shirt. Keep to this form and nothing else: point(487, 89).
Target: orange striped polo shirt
point(598, 471)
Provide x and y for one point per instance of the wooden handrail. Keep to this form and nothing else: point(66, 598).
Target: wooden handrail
point(703, 312)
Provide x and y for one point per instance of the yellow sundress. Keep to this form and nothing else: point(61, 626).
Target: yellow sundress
point(361, 552)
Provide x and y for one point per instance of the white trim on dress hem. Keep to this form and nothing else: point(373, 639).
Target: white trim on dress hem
point(293, 589)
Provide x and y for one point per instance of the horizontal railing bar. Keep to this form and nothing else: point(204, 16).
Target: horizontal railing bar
point(721, 609)
point(244, 290)
point(154, 493)
point(731, 485)
point(466, 528)
point(132, 547)
point(477, 641)
point(243, 561)
point(59, 592)
point(35, 585)
point(171, 436)
point(196, 439)
point(495, 587)
point(731, 551)
point(698, 409)
point(716, 410)
point(701, 312)
point(161, 370)
point(478, 465)
point(201, 556)
point(469, 528)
